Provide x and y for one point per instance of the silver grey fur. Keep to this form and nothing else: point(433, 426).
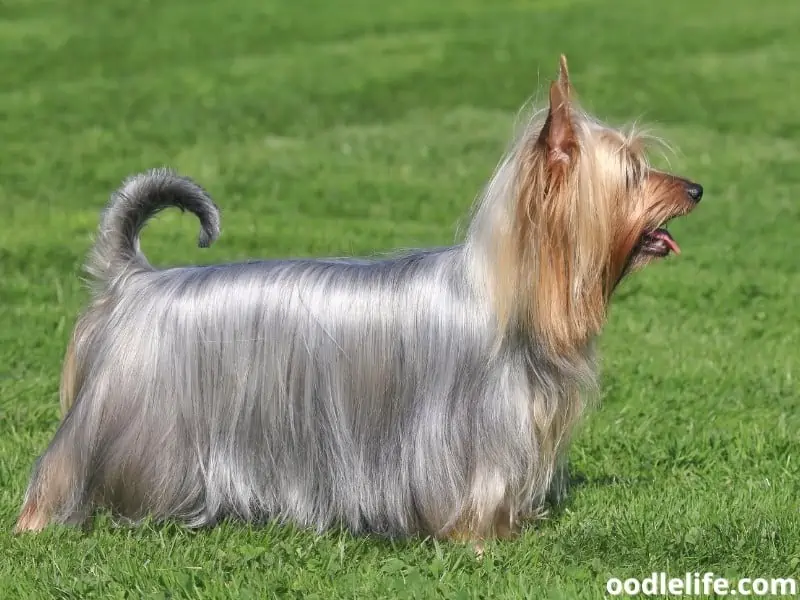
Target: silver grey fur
point(376, 394)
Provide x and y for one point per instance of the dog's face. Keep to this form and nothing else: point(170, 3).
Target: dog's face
point(660, 197)
point(616, 200)
point(641, 201)
point(590, 210)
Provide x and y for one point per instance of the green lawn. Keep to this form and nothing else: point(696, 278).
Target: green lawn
point(334, 128)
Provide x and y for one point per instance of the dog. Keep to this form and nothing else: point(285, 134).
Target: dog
point(434, 392)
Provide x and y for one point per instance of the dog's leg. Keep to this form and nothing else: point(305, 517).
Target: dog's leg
point(464, 530)
point(468, 530)
point(46, 493)
point(56, 492)
point(499, 524)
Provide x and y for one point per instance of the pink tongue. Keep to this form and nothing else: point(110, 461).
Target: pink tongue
point(667, 239)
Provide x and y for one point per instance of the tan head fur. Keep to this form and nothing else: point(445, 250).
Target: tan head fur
point(585, 210)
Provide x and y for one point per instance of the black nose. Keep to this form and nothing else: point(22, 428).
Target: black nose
point(695, 191)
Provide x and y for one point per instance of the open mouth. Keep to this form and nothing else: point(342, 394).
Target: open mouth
point(659, 243)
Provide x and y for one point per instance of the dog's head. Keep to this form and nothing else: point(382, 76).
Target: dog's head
point(589, 210)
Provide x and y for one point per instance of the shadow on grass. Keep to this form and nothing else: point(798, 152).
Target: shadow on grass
point(578, 480)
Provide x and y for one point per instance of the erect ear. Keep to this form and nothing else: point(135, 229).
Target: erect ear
point(558, 134)
point(563, 75)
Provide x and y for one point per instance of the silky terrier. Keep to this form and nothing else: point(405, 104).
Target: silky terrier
point(432, 393)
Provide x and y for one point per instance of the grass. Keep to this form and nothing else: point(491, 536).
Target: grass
point(335, 128)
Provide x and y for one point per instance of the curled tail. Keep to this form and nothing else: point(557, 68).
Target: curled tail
point(116, 250)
